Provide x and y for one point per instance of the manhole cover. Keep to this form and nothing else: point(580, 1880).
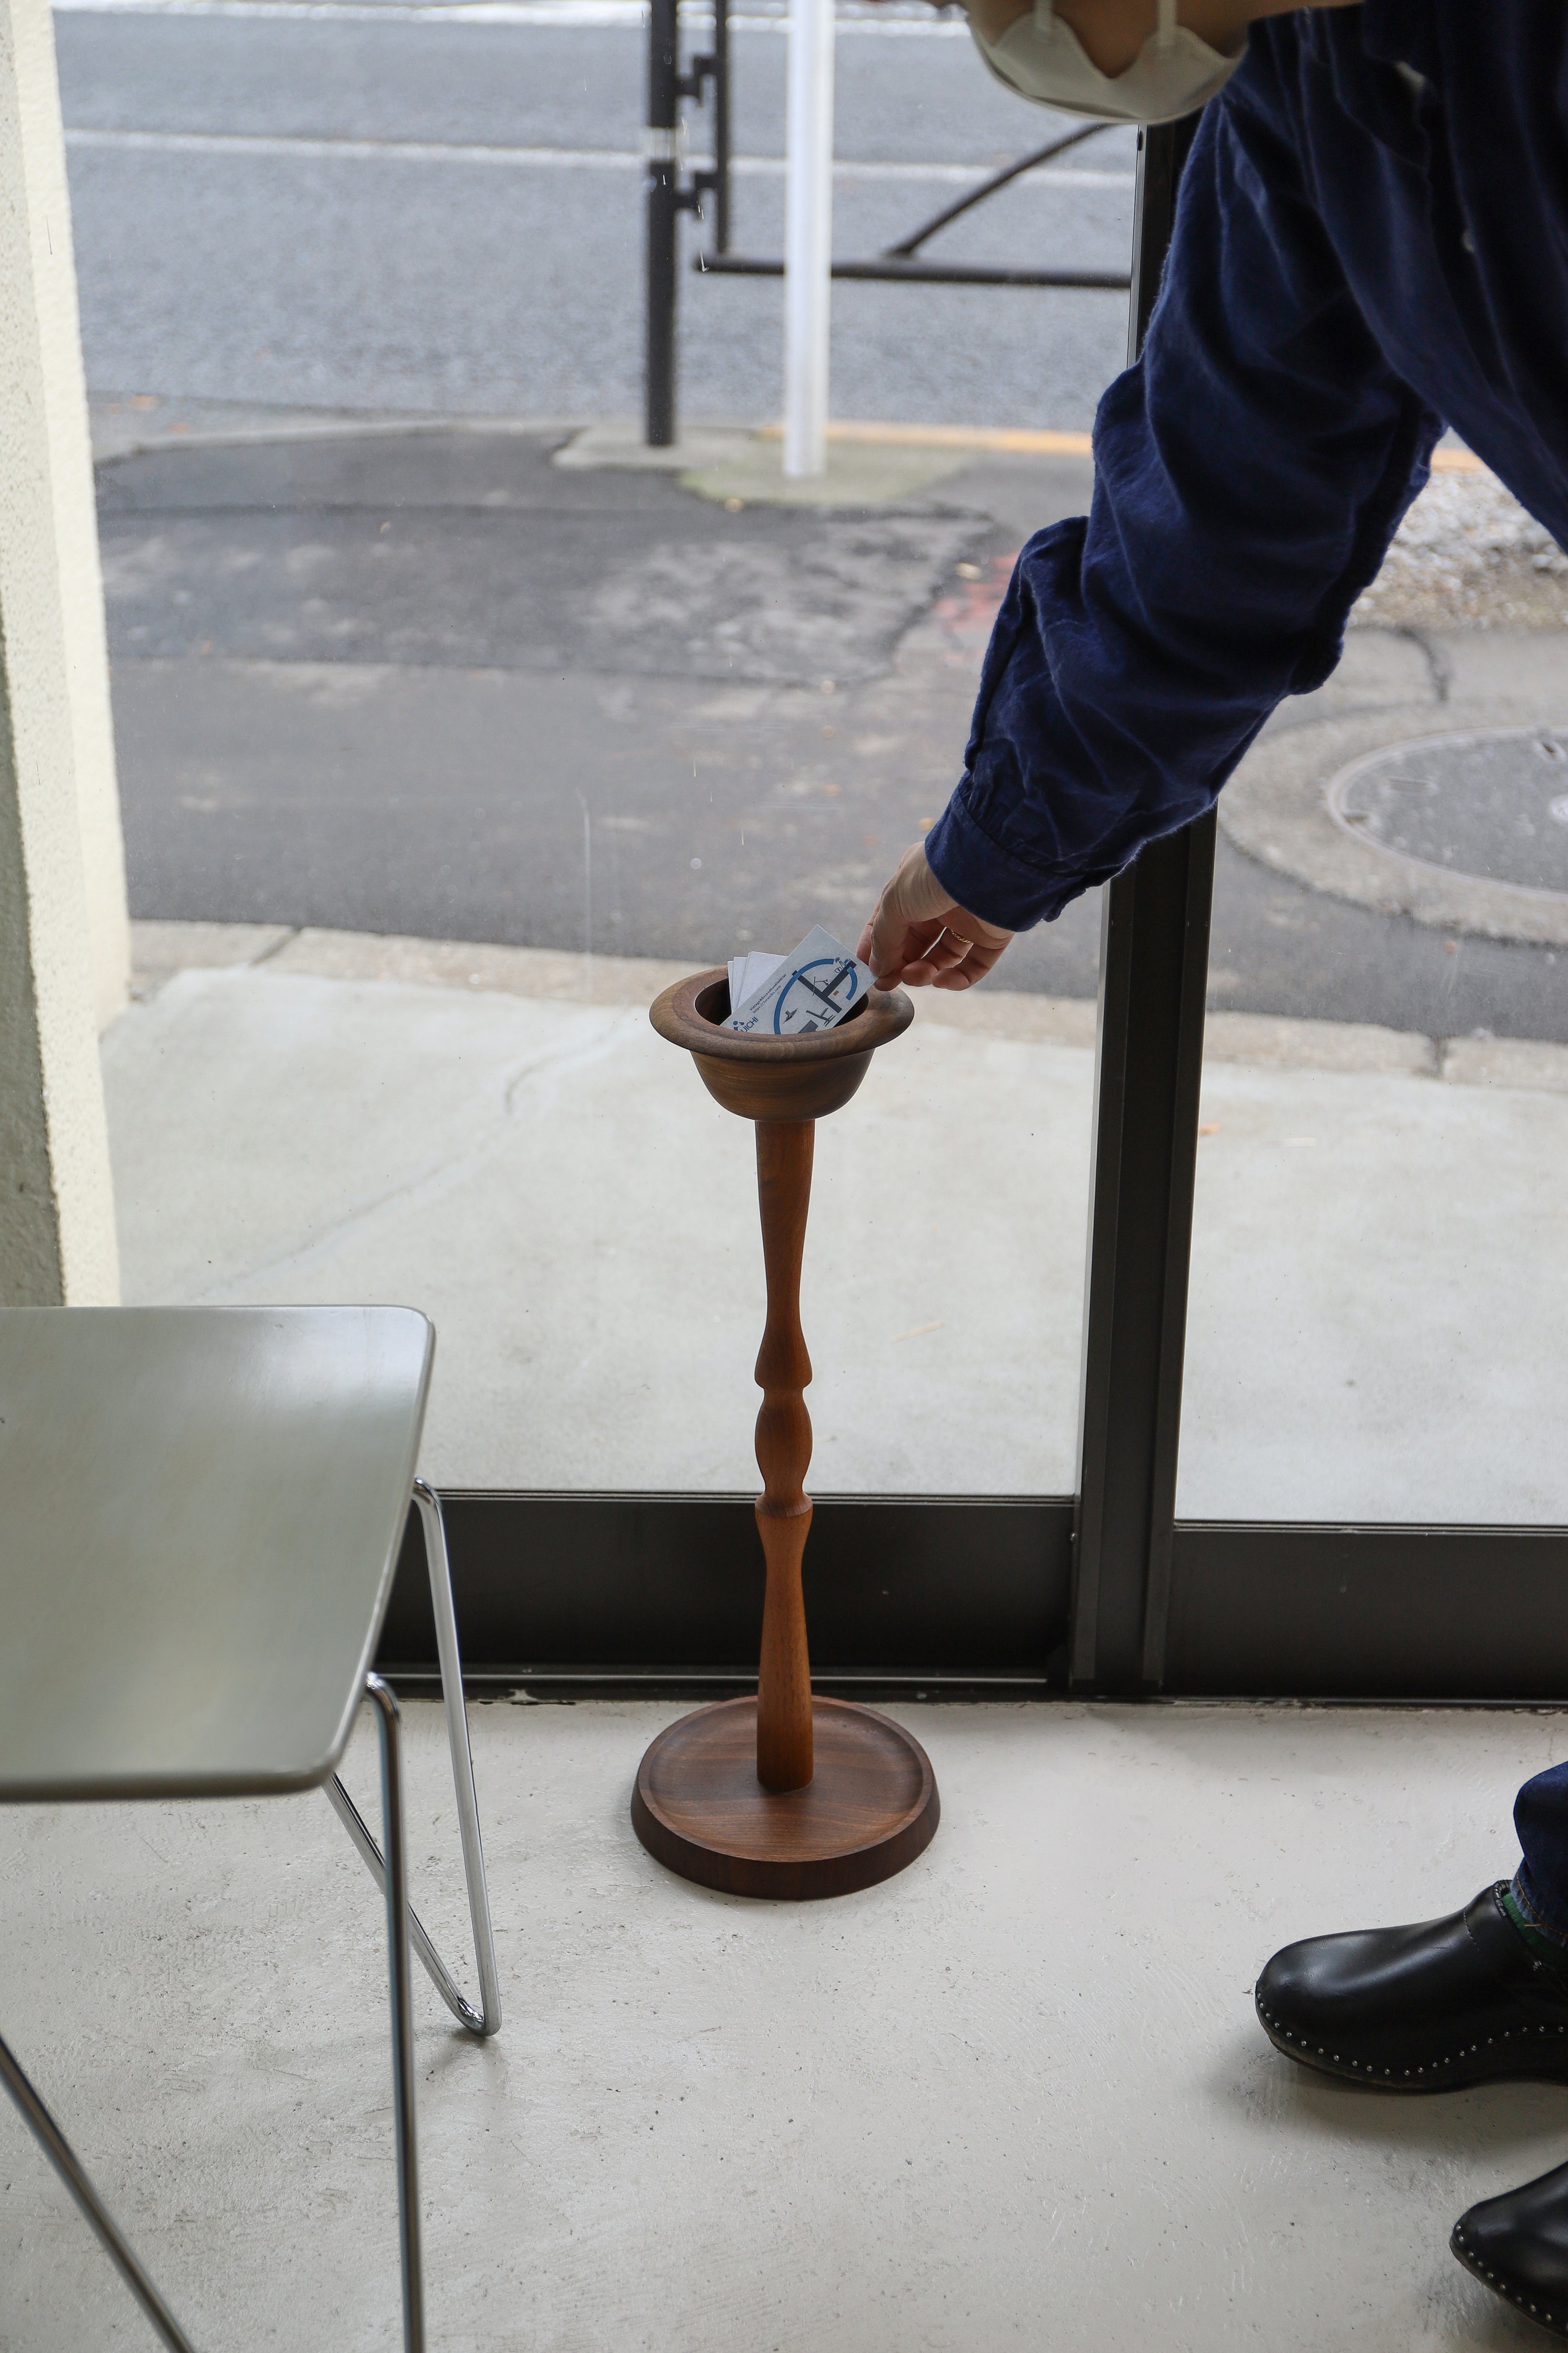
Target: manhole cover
point(1492, 804)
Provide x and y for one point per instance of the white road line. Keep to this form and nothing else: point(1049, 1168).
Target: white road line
point(573, 15)
point(614, 158)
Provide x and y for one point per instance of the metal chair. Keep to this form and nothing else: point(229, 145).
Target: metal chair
point(200, 1513)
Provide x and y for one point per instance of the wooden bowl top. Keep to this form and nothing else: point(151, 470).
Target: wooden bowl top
point(884, 1015)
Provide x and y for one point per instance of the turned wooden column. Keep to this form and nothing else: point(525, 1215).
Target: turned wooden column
point(784, 1457)
point(781, 1793)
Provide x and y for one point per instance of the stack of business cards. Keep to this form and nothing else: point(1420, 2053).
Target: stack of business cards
point(797, 994)
point(748, 974)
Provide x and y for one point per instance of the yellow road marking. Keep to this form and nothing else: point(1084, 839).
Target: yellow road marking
point(1039, 443)
point(1024, 440)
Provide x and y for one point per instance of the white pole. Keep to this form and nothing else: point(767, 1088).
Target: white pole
point(808, 234)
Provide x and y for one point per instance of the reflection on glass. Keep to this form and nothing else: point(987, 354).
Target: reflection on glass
point(1380, 1268)
point(556, 1189)
point(451, 727)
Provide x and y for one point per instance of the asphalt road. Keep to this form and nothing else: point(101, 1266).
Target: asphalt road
point(386, 207)
point(434, 684)
point(431, 684)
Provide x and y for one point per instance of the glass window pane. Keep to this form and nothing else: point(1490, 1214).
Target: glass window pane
point(1380, 1266)
point(452, 728)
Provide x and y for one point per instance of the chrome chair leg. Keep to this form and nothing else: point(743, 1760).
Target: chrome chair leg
point(399, 1978)
point(487, 2018)
point(67, 2164)
point(462, 1755)
point(393, 1878)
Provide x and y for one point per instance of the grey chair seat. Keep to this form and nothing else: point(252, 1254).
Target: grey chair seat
point(201, 1511)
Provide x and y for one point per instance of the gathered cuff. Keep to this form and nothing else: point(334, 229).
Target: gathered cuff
point(989, 880)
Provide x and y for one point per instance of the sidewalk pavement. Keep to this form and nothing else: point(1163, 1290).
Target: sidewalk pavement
point(1380, 1275)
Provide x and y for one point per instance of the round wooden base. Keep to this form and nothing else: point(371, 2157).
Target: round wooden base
point(870, 1807)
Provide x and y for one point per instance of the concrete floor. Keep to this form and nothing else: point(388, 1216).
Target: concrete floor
point(1015, 2096)
point(1379, 1273)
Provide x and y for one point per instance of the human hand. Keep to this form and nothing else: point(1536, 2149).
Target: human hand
point(919, 934)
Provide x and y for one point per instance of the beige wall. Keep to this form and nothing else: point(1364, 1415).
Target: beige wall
point(60, 841)
point(76, 520)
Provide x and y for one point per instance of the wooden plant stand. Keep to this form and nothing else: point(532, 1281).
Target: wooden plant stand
point(782, 1794)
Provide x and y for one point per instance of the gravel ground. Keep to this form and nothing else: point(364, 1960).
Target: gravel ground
point(1467, 556)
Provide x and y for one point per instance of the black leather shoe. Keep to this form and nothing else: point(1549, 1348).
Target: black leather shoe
point(1425, 2009)
point(1518, 2245)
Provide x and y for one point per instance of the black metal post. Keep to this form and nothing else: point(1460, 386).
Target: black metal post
point(663, 207)
point(1163, 151)
point(1153, 983)
point(719, 64)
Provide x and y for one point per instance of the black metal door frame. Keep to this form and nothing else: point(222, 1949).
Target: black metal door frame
point(1153, 983)
point(1106, 1593)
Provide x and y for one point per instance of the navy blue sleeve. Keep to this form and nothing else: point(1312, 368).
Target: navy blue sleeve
point(1250, 472)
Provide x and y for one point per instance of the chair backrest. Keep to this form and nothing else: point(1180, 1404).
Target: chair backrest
point(200, 1513)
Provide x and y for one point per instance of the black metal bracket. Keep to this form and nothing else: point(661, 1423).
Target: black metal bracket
point(693, 82)
point(689, 199)
point(902, 263)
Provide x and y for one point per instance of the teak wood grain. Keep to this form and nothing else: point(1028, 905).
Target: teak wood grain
point(783, 1456)
point(870, 1808)
point(776, 1078)
point(783, 1795)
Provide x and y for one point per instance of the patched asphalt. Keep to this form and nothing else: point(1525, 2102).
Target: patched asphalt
point(429, 682)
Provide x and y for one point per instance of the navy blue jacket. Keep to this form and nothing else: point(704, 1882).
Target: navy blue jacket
point(1371, 241)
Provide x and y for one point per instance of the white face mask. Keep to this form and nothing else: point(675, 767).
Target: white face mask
point(1172, 75)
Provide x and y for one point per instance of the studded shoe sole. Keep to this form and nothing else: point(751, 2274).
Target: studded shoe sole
point(1428, 2008)
point(1551, 2316)
point(1525, 2053)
